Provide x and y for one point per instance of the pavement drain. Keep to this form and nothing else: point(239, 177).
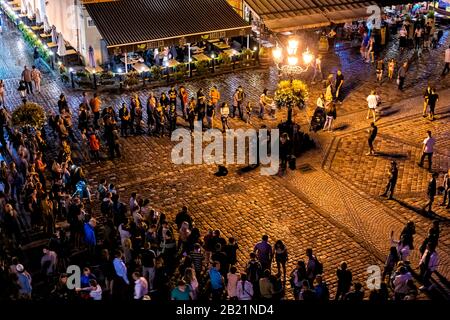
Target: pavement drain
point(306, 168)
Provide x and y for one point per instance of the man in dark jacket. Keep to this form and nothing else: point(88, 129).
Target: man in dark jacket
point(182, 216)
point(393, 175)
point(431, 193)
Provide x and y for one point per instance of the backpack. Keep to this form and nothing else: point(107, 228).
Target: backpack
point(318, 269)
point(253, 271)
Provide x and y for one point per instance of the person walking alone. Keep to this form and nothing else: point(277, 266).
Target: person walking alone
point(446, 186)
point(372, 135)
point(431, 193)
point(372, 102)
point(427, 150)
point(432, 100)
point(402, 75)
point(426, 97)
point(393, 175)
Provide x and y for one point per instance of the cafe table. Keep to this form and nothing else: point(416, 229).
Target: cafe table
point(201, 57)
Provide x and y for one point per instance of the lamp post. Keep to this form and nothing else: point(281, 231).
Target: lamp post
point(292, 67)
point(71, 78)
point(119, 71)
point(289, 64)
point(213, 57)
point(95, 79)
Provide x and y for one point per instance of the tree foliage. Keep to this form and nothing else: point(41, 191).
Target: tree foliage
point(29, 114)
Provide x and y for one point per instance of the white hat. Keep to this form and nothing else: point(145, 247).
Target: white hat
point(20, 268)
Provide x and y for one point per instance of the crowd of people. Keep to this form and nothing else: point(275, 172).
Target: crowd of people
point(129, 249)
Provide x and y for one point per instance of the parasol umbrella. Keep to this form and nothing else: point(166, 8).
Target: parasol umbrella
point(23, 7)
point(47, 27)
point(54, 35)
point(91, 57)
point(61, 46)
point(38, 16)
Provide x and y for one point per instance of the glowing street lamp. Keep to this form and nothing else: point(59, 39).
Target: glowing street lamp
point(293, 65)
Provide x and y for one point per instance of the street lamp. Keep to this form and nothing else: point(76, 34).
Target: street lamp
point(213, 57)
point(94, 72)
point(71, 78)
point(292, 58)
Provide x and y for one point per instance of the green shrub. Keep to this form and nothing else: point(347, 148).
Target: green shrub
point(29, 114)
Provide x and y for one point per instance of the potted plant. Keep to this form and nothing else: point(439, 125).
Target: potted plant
point(180, 71)
point(247, 57)
point(224, 61)
point(202, 67)
point(81, 74)
point(291, 94)
point(156, 73)
point(132, 79)
point(29, 115)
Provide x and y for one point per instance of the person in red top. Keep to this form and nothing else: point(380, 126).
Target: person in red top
point(184, 99)
point(94, 144)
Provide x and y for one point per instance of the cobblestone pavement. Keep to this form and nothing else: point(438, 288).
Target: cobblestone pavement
point(333, 208)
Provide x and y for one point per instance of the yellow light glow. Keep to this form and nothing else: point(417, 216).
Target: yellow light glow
point(307, 57)
point(292, 60)
point(277, 54)
point(292, 46)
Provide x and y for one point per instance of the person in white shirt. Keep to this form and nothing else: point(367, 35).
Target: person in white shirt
point(372, 102)
point(140, 286)
point(447, 61)
point(321, 101)
point(427, 150)
point(428, 264)
point(133, 201)
point(232, 280)
point(224, 113)
point(244, 288)
point(400, 283)
point(403, 249)
point(96, 290)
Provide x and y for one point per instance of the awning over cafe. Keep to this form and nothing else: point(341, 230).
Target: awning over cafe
point(157, 23)
point(289, 15)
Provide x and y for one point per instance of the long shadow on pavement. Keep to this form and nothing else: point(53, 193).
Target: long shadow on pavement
point(391, 155)
point(420, 211)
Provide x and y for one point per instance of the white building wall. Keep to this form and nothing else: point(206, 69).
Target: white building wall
point(69, 18)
